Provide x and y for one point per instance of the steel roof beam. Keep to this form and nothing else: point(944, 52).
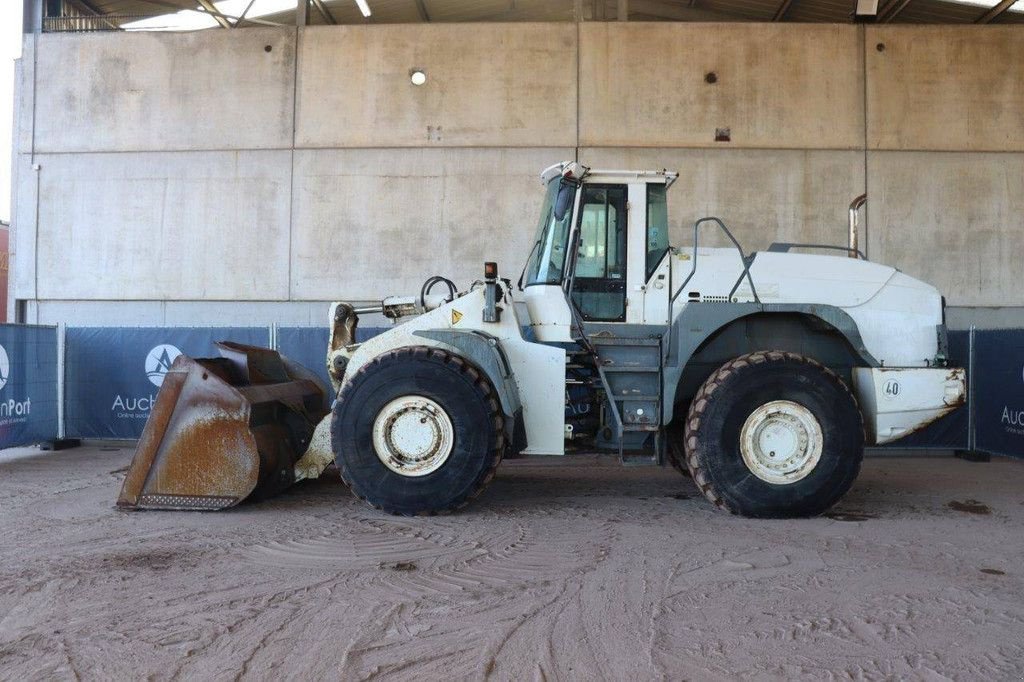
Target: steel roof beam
point(995, 11)
point(893, 10)
point(324, 12)
point(676, 11)
point(241, 17)
point(87, 8)
point(421, 7)
point(781, 11)
point(178, 8)
point(218, 17)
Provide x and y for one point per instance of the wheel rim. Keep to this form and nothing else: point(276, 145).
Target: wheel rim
point(781, 442)
point(413, 436)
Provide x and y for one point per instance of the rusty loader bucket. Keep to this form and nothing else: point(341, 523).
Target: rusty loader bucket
point(223, 430)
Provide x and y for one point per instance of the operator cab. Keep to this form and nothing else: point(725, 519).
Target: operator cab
point(601, 242)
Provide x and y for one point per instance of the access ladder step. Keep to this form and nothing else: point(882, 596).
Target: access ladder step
point(630, 368)
point(638, 428)
point(636, 459)
point(623, 341)
point(636, 398)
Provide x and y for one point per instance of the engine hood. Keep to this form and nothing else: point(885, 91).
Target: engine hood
point(810, 278)
point(897, 316)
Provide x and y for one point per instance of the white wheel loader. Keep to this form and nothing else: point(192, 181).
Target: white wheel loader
point(761, 375)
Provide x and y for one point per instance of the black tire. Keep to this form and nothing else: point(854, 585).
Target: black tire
point(730, 395)
point(465, 394)
point(676, 437)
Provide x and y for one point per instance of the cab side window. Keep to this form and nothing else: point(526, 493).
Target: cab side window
point(657, 226)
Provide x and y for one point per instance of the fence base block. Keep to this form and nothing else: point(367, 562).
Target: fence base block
point(972, 455)
point(61, 444)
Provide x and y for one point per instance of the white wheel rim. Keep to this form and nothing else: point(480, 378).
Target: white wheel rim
point(781, 442)
point(413, 436)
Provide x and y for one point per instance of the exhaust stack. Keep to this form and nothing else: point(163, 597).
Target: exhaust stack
point(855, 206)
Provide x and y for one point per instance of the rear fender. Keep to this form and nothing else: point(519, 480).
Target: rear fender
point(697, 323)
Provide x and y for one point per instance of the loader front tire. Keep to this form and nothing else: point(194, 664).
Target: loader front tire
point(774, 434)
point(418, 430)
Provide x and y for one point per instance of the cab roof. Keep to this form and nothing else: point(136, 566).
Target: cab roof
point(576, 170)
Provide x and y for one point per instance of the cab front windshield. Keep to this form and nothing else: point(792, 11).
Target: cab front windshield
point(547, 257)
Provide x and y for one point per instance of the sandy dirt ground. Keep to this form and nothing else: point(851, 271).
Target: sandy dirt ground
point(567, 569)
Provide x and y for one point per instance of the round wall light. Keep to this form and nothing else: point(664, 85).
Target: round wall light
point(418, 76)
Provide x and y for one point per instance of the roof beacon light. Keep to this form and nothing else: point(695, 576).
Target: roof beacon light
point(572, 170)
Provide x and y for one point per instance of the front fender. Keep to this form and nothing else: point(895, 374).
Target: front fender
point(484, 351)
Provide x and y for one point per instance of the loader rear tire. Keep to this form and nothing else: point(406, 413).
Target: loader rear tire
point(774, 434)
point(445, 402)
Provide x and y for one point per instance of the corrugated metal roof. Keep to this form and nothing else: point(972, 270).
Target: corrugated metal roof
point(412, 11)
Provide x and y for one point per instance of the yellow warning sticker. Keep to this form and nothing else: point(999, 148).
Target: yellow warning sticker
point(456, 316)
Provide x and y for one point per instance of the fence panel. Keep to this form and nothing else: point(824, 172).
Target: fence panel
point(998, 391)
point(308, 347)
point(112, 374)
point(28, 384)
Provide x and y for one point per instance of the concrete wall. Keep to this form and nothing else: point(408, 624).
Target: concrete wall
point(248, 176)
point(512, 85)
point(946, 158)
point(788, 86)
point(165, 92)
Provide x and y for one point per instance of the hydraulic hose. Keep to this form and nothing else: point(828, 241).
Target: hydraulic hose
point(429, 284)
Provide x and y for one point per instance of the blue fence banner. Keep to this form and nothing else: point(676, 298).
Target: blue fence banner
point(28, 384)
point(998, 391)
point(308, 347)
point(112, 374)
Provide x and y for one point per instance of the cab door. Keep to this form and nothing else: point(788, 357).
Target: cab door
point(599, 285)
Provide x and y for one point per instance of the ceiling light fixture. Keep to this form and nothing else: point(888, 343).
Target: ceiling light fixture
point(363, 7)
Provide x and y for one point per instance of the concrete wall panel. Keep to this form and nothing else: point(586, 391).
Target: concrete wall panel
point(23, 93)
point(186, 225)
point(22, 277)
point(953, 220)
point(165, 91)
point(778, 86)
point(187, 313)
point(946, 88)
point(371, 223)
point(487, 85)
point(763, 196)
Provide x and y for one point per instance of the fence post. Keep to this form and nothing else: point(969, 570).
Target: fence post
point(61, 442)
point(971, 426)
point(971, 454)
point(61, 342)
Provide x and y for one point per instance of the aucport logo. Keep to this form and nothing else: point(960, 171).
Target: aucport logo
point(1013, 420)
point(11, 411)
point(158, 361)
point(5, 367)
